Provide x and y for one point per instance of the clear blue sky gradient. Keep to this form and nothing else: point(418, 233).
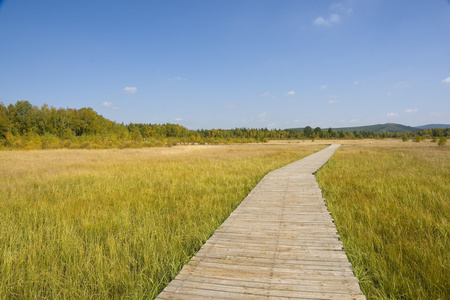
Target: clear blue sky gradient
point(231, 63)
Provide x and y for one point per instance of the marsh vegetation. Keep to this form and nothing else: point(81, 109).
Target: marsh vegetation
point(391, 205)
point(109, 224)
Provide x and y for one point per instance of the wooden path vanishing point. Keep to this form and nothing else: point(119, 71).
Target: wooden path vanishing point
point(279, 243)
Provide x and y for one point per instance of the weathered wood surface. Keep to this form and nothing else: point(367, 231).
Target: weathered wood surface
point(280, 243)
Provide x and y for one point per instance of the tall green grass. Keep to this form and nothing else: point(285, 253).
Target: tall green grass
point(391, 205)
point(117, 224)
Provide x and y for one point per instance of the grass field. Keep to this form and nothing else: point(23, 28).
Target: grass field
point(391, 205)
point(118, 224)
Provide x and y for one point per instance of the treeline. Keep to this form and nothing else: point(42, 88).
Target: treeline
point(25, 126)
point(318, 133)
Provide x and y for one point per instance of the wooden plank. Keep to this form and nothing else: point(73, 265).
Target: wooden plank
point(304, 285)
point(307, 263)
point(280, 243)
point(248, 293)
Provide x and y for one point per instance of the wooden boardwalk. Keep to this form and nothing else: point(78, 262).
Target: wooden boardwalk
point(280, 243)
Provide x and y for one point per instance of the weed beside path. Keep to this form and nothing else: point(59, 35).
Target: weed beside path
point(391, 206)
point(110, 224)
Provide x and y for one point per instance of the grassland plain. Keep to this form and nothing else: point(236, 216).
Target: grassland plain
point(118, 224)
point(391, 204)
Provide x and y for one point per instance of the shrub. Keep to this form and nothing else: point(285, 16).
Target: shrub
point(418, 139)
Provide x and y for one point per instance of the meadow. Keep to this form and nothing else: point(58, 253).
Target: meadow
point(391, 205)
point(118, 224)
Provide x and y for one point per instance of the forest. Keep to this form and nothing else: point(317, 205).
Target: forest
point(26, 126)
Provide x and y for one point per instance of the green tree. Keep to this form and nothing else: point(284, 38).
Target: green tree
point(318, 131)
point(442, 141)
point(5, 124)
point(308, 131)
point(331, 133)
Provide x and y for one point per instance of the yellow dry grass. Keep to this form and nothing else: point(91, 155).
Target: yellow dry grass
point(391, 204)
point(113, 224)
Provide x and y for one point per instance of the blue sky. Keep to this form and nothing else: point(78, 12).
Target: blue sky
point(229, 63)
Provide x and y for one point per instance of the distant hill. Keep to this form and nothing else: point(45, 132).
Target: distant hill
point(432, 126)
point(388, 127)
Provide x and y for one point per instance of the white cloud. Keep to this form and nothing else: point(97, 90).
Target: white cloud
point(262, 116)
point(446, 80)
point(265, 94)
point(291, 93)
point(179, 119)
point(323, 87)
point(109, 105)
point(356, 82)
point(345, 121)
point(401, 85)
point(411, 110)
point(178, 78)
point(333, 101)
point(130, 90)
point(320, 21)
point(333, 18)
point(341, 8)
point(229, 105)
point(391, 114)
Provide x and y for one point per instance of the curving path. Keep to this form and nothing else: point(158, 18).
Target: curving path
point(279, 243)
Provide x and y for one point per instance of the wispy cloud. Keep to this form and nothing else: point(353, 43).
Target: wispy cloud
point(229, 105)
point(262, 116)
point(333, 101)
point(341, 7)
point(345, 121)
point(265, 94)
point(411, 110)
point(178, 78)
point(323, 87)
point(109, 105)
point(332, 19)
point(130, 90)
point(336, 11)
point(291, 93)
point(401, 85)
point(392, 114)
point(356, 82)
point(179, 119)
point(446, 80)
